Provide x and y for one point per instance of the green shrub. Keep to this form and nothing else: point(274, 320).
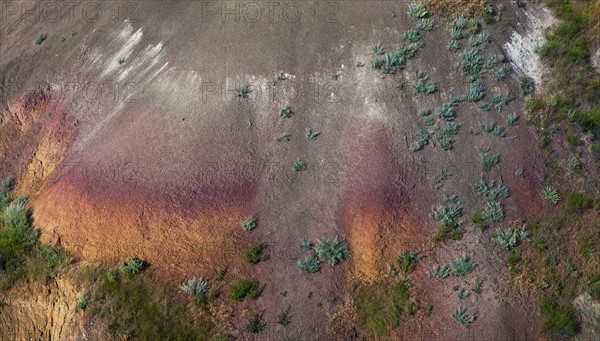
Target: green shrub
point(457, 34)
point(305, 244)
point(487, 162)
point(332, 251)
point(194, 286)
point(439, 272)
point(249, 223)
point(242, 91)
point(17, 241)
point(286, 112)
point(527, 84)
point(450, 128)
point(412, 36)
point(378, 49)
point(40, 39)
point(493, 211)
point(550, 194)
point(447, 216)
point(477, 219)
point(471, 65)
point(461, 317)
point(424, 25)
point(461, 266)
point(310, 134)
point(245, 289)
point(587, 245)
point(299, 166)
point(284, 318)
point(512, 119)
point(490, 190)
point(573, 164)
point(462, 294)
point(549, 259)
point(407, 261)
point(559, 321)
point(253, 253)
point(573, 140)
point(423, 85)
point(400, 289)
point(453, 46)
point(578, 202)
point(132, 266)
point(254, 325)
point(82, 302)
point(309, 265)
point(377, 63)
point(478, 288)
point(475, 91)
point(416, 10)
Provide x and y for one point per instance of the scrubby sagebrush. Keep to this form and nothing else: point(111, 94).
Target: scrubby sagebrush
point(21, 253)
point(194, 286)
point(332, 251)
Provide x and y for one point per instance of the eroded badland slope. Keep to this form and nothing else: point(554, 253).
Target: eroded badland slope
point(134, 143)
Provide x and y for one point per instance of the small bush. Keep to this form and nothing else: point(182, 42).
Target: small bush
point(310, 134)
point(461, 317)
point(475, 91)
point(587, 245)
point(332, 251)
point(249, 223)
point(82, 302)
point(462, 266)
point(490, 190)
point(527, 84)
point(550, 194)
point(194, 286)
point(132, 266)
point(573, 164)
point(254, 325)
point(477, 219)
point(493, 211)
point(284, 317)
point(407, 261)
point(40, 39)
point(253, 253)
point(573, 140)
point(447, 216)
point(423, 85)
point(508, 239)
point(242, 91)
point(578, 202)
point(424, 25)
point(286, 112)
point(244, 289)
point(487, 162)
point(378, 49)
point(305, 244)
point(416, 10)
point(559, 321)
point(462, 294)
point(412, 36)
point(453, 46)
point(309, 265)
point(299, 166)
point(439, 272)
point(512, 119)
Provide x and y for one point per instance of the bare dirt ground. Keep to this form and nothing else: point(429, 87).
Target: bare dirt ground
point(161, 161)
